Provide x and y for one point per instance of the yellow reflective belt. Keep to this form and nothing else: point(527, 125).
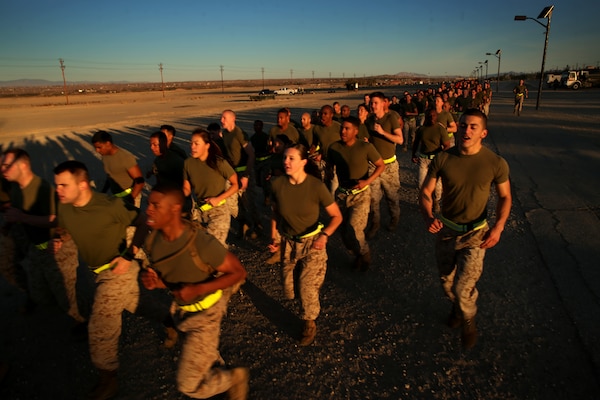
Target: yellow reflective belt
point(259, 159)
point(41, 246)
point(205, 303)
point(241, 169)
point(320, 227)
point(207, 206)
point(352, 191)
point(124, 192)
point(390, 160)
point(102, 268)
point(463, 227)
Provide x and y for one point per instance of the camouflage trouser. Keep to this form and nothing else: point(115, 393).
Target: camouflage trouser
point(423, 168)
point(312, 266)
point(198, 375)
point(460, 264)
point(114, 293)
point(217, 221)
point(355, 210)
point(387, 183)
point(55, 277)
point(262, 169)
point(408, 131)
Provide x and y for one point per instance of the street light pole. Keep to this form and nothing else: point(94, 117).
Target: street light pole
point(546, 13)
point(498, 55)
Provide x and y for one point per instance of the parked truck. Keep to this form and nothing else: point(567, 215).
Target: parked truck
point(553, 80)
point(286, 91)
point(581, 78)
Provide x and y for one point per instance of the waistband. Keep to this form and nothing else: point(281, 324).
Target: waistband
point(472, 226)
point(204, 304)
point(351, 191)
point(102, 268)
point(297, 238)
point(241, 168)
point(390, 160)
point(520, 94)
point(207, 206)
point(41, 246)
point(427, 156)
point(124, 193)
point(265, 158)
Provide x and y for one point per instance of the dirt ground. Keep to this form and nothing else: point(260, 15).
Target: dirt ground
point(381, 334)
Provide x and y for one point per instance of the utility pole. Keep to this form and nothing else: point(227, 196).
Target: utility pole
point(62, 67)
point(262, 70)
point(291, 76)
point(313, 75)
point(162, 82)
point(222, 86)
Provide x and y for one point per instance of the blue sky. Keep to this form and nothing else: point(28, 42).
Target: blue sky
point(126, 40)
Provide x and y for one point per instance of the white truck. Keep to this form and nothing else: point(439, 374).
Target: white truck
point(581, 78)
point(286, 91)
point(553, 80)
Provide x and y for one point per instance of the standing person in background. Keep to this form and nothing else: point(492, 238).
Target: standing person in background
point(284, 127)
point(52, 278)
point(124, 176)
point(521, 93)
point(307, 132)
point(385, 133)
point(431, 138)
point(410, 112)
point(241, 156)
point(487, 98)
point(261, 143)
point(297, 201)
point(326, 133)
point(200, 274)
point(352, 157)
point(170, 132)
point(337, 112)
point(97, 223)
point(467, 171)
point(168, 165)
point(212, 181)
point(444, 118)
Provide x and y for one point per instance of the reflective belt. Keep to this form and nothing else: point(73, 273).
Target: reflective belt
point(352, 191)
point(207, 206)
point(204, 304)
point(241, 169)
point(474, 226)
point(520, 94)
point(124, 192)
point(297, 238)
point(265, 158)
point(427, 156)
point(102, 268)
point(41, 246)
point(390, 160)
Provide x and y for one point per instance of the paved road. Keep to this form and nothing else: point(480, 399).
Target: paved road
point(554, 154)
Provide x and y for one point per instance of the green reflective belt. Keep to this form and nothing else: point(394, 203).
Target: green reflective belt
point(351, 191)
point(124, 192)
point(241, 169)
point(265, 158)
point(41, 246)
point(473, 226)
point(390, 160)
point(207, 206)
point(297, 238)
point(204, 304)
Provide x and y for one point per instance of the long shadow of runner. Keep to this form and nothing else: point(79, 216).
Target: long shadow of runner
point(281, 317)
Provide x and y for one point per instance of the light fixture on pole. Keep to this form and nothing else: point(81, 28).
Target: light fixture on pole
point(498, 55)
point(545, 13)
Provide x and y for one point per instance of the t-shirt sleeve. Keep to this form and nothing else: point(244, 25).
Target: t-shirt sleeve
point(503, 171)
point(210, 250)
